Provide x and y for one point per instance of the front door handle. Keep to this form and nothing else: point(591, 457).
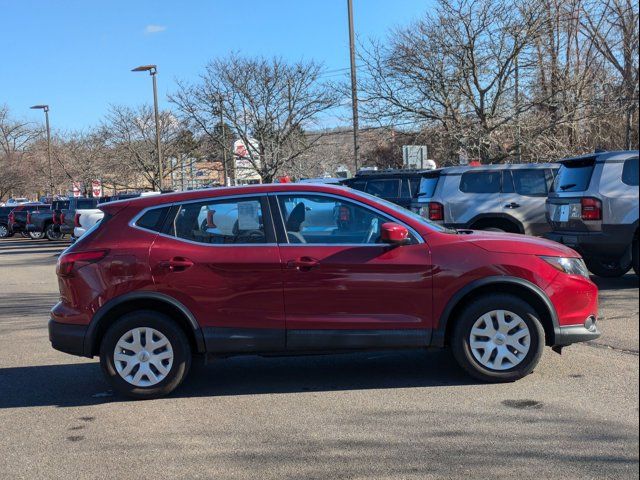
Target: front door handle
point(303, 263)
point(512, 205)
point(176, 264)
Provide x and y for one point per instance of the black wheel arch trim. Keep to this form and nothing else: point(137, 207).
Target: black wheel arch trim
point(92, 330)
point(438, 337)
point(501, 216)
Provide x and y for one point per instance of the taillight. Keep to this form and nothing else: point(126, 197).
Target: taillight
point(76, 220)
point(591, 209)
point(72, 261)
point(436, 211)
point(61, 219)
point(29, 217)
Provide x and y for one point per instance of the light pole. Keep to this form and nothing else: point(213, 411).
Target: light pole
point(354, 84)
point(46, 119)
point(153, 70)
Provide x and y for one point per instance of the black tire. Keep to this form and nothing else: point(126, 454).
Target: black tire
point(636, 256)
point(460, 340)
point(163, 324)
point(4, 231)
point(51, 234)
point(606, 268)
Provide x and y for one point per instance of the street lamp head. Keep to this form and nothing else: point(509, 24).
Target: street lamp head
point(146, 68)
point(41, 107)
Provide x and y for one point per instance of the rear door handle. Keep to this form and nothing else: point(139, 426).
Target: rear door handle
point(303, 263)
point(512, 205)
point(176, 264)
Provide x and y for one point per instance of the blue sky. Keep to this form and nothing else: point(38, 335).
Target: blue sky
point(77, 55)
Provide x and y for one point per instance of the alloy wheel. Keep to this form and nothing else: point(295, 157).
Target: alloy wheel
point(500, 340)
point(4, 231)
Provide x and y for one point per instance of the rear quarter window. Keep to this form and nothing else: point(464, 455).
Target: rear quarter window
point(530, 182)
point(481, 182)
point(153, 219)
point(428, 186)
point(630, 172)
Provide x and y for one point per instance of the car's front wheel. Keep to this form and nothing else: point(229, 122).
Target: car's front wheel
point(145, 354)
point(36, 235)
point(498, 338)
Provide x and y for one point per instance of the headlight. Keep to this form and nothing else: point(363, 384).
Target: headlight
point(571, 266)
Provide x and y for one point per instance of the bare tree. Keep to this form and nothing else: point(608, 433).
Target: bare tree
point(454, 70)
point(129, 135)
point(612, 28)
point(15, 138)
point(266, 103)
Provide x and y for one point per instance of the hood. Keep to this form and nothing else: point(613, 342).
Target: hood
point(519, 244)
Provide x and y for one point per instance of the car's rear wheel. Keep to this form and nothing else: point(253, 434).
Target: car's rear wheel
point(4, 231)
point(498, 338)
point(36, 235)
point(145, 355)
point(51, 233)
point(607, 267)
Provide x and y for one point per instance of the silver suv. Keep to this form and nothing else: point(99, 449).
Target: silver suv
point(594, 209)
point(503, 198)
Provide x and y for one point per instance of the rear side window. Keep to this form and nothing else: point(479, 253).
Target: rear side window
point(481, 182)
point(385, 188)
point(630, 172)
point(232, 221)
point(530, 182)
point(153, 219)
point(574, 176)
point(358, 185)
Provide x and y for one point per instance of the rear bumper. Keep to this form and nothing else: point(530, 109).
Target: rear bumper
point(576, 333)
point(67, 338)
point(613, 241)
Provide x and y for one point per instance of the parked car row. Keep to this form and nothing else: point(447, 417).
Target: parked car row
point(589, 203)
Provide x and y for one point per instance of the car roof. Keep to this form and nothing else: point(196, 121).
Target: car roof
point(603, 156)
point(205, 193)
point(457, 170)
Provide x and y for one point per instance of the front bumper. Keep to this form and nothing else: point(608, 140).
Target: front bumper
point(67, 337)
point(567, 335)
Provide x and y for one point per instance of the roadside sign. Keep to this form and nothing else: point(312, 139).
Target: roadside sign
point(96, 188)
point(77, 191)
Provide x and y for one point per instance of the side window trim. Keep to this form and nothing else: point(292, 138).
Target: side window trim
point(282, 234)
point(175, 208)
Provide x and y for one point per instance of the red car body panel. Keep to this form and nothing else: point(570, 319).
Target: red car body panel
point(352, 287)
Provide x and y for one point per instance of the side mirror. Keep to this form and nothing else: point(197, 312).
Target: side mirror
point(394, 234)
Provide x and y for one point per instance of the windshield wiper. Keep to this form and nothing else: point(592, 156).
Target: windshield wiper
point(568, 185)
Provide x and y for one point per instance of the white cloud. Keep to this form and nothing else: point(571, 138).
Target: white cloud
point(151, 29)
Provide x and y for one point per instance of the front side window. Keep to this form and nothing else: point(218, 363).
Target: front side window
point(316, 219)
point(530, 182)
point(221, 222)
point(481, 182)
point(630, 172)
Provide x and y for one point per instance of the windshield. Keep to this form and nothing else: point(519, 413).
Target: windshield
point(428, 186)
point(408, 213)
point(574, 176)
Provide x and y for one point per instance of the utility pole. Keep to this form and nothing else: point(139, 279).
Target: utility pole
point(224, 145)
point(46, 119)
point(354, 84)
point(517, 102)
point(153, 70)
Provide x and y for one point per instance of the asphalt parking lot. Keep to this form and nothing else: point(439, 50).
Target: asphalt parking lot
point(370, 415)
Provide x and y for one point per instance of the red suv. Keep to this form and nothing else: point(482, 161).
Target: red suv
point(293, 268)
